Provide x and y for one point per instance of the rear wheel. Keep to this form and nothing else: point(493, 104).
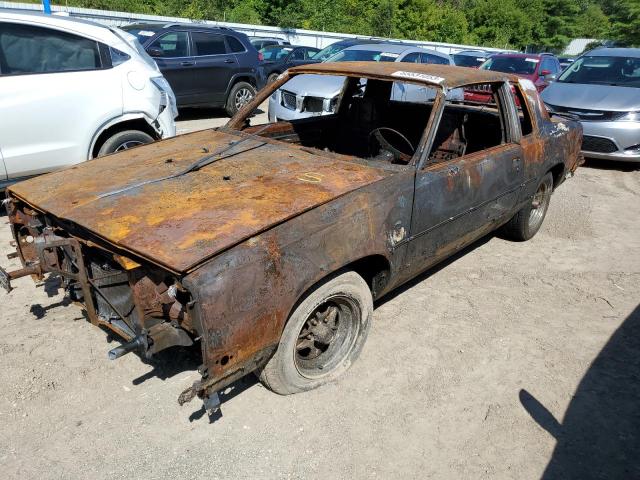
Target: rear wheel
point(526, 223)
point(272, 78)
point(323, 336)
point(241, 94)
point(125, 140)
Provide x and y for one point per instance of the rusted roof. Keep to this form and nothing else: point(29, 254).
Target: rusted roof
point(446, 75)
point(179, 222)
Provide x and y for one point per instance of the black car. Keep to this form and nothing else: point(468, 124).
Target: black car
point(278, 58)
point(205, 66)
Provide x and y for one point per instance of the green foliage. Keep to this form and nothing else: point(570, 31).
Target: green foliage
point(514, 24)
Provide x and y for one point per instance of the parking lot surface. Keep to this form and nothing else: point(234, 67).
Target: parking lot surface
point(510, 360)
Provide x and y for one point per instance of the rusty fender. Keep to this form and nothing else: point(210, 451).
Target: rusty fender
point(244, 296)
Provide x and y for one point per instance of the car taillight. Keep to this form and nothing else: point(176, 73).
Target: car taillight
point(260, 57)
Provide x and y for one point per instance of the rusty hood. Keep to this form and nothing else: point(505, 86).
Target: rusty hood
point(180, 222)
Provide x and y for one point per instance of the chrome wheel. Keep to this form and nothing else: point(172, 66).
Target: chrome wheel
point(242, 97)
point(327, 337)
point(539, 205)
point(127, 145)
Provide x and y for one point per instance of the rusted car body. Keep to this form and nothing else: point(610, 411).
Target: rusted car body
point(213, 238)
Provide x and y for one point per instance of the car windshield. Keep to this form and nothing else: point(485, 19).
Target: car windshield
point(329, 51)
point(517, 65)
point(617, 71)
point(141, 32)
point(467, 60)
point(275, 53)
point(364, 56)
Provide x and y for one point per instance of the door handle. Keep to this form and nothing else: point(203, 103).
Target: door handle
point(228, 60)
point(187, 64)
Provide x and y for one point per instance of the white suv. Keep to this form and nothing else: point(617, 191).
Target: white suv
point(72, 90)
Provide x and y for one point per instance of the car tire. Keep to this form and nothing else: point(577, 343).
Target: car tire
point(323, 336)
point(123, 141)
point(241, 93)
point(272, 78)
point(526, 223)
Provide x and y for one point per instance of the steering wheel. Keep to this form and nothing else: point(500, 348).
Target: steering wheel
point(398, 155)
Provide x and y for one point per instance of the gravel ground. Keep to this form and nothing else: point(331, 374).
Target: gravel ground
point(513, 360)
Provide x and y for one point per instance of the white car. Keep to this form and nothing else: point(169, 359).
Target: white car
point(72, 90)
point(307, 96)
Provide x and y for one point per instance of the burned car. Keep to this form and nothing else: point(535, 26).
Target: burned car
point(264, 245)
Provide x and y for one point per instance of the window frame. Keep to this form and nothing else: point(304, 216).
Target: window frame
point(102, 51)
point(511, 137)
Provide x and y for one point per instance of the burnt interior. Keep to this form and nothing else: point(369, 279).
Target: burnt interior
point(362, 109)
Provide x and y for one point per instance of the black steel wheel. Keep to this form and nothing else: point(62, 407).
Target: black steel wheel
point(323, 336)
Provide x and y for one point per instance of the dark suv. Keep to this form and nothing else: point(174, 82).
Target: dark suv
point(205, 65)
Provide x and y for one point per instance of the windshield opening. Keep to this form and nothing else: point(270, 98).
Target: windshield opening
point(372, 120)
point(602, 70)
point(515, 65)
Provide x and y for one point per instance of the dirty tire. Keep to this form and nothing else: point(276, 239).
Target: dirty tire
point(272, 78)
point(310, 355)
point(240, 94)
point(526, 223)
point(123, 141)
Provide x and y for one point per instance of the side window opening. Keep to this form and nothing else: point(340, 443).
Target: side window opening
point(524, 116)
point(468, 126)
point(27, 50)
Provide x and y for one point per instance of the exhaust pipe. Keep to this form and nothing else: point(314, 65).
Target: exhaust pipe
point(138, 343)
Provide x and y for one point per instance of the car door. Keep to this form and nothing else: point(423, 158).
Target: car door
point(458, 199)
point(56, 89)
point(172, 53)
point(214, 67)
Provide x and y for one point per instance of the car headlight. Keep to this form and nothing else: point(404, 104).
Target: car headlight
point(628, 117)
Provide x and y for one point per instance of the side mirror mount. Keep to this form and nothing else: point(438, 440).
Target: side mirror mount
point(155, 52)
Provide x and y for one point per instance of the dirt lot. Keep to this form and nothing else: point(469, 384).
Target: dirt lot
point(512, 360)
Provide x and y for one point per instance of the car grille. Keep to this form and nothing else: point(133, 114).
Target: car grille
point(588, 115)
point(598, 144)
point(288, 100)
point(313, 104)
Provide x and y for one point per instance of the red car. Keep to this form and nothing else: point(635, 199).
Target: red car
point(541, 69)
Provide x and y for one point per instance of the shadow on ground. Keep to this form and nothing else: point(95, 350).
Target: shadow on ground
point(599, 436)
point(611, 165)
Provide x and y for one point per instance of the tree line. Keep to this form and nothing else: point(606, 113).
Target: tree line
point(540, 25)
